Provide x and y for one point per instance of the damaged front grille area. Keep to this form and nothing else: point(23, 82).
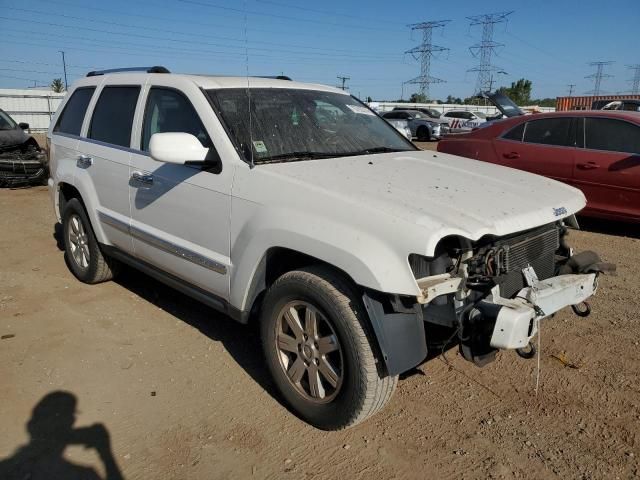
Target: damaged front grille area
point(501, 261)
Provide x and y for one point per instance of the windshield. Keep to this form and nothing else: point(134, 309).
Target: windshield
point(288, 124)
point(6, 122)
point(433, 113)
point(480, 115)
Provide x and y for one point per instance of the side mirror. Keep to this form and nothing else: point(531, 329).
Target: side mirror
point(176, 147)
point(23, 126)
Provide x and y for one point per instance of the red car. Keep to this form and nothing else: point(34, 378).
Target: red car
point(595, 151)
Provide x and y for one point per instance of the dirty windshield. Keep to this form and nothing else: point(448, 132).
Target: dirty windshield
point(290, 124)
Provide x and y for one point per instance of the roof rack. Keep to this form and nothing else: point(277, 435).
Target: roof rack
point(156, 69)
point(276, 77)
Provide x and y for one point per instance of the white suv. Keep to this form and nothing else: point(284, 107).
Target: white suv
point(295, 204)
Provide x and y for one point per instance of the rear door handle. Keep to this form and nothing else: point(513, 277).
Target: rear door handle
point(84, 161)
point(588, 165)
point(141, 177)
point(511, 155)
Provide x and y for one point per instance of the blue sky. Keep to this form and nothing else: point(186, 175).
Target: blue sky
point(549, 42)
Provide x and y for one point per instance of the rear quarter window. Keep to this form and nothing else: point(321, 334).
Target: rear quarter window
point(71, 118)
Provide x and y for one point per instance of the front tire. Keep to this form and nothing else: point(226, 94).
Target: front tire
point(82, 252)
point(317, 347)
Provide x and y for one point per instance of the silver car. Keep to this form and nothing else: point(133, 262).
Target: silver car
point(422, 127)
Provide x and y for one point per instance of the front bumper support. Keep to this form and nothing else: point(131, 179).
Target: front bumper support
point(517, 318)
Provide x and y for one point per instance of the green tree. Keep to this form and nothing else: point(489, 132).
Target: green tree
point(57, 85)
point(519, 92)
point(453, 100)
point(418, 98)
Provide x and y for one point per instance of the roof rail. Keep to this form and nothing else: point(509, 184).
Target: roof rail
point(156, 69)
point(276, 77)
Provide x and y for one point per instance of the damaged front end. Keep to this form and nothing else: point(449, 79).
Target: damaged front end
point(492, 293)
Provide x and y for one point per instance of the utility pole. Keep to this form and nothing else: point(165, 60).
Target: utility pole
point(64, 66)
point(635, 81)
point(424, 52)
point(598, 76)
point(571, 87)
point(491, 78)
point(344, 81)
point(486, 47)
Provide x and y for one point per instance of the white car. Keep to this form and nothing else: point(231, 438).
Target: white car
point(300, 208)
point(463, 120)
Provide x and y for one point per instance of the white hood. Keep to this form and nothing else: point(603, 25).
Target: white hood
point(444, 194)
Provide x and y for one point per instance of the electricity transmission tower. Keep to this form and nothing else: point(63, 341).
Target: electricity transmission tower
point(424, 52)
point(598, 76)
point(344, 81)
point(571, 87)
point(635, 81)
point(486, 47)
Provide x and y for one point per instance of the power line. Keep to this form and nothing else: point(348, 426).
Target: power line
point(343, 79)
point(272, 15)
point(175, 32)
point(424, 52)
point(598, 76)
point(486, 47)
point(635, 81)
point(190, 42)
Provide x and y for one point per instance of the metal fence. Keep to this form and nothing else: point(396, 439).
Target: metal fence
point(35, 107)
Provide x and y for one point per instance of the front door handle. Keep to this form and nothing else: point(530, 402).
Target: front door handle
point(141, 177)
point(588, 165)
point(511, 155)
point(84, 161)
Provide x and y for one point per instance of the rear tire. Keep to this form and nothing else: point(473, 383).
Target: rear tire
point(82, 251)
point(327, 373)
point(424, 134)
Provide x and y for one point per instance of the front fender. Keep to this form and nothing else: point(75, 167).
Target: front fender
point(370, 262)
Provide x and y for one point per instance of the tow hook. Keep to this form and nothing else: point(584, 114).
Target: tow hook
point(528, 352)
point(581, 309)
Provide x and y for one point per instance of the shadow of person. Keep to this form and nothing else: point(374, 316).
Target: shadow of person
point(51, 431)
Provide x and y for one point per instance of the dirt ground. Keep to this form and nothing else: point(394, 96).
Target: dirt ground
point(183, 393)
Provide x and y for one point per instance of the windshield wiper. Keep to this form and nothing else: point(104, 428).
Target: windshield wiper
point(367, 151)
point(310, 155)
point(294, 156)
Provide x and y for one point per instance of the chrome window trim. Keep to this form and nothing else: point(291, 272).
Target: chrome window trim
point(163, 245)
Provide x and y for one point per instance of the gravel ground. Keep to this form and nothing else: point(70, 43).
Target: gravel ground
point(183, 393)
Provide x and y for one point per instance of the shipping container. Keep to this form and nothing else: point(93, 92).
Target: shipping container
point(586, 102)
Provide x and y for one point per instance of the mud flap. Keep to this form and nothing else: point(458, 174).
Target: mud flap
point(400, 335)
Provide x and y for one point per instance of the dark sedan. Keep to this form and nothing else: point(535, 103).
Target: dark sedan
point(595, 151)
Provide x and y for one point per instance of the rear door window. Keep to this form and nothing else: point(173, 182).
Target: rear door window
point(612, 135)
point(72, 116)
point(169, 111)
point(548, 131)
point(113, 115)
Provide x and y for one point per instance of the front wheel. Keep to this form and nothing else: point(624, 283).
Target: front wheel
point(316, 344)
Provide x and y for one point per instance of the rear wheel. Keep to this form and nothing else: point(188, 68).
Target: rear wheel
point(317, 347)
point(82, 252)
point(423, 133)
